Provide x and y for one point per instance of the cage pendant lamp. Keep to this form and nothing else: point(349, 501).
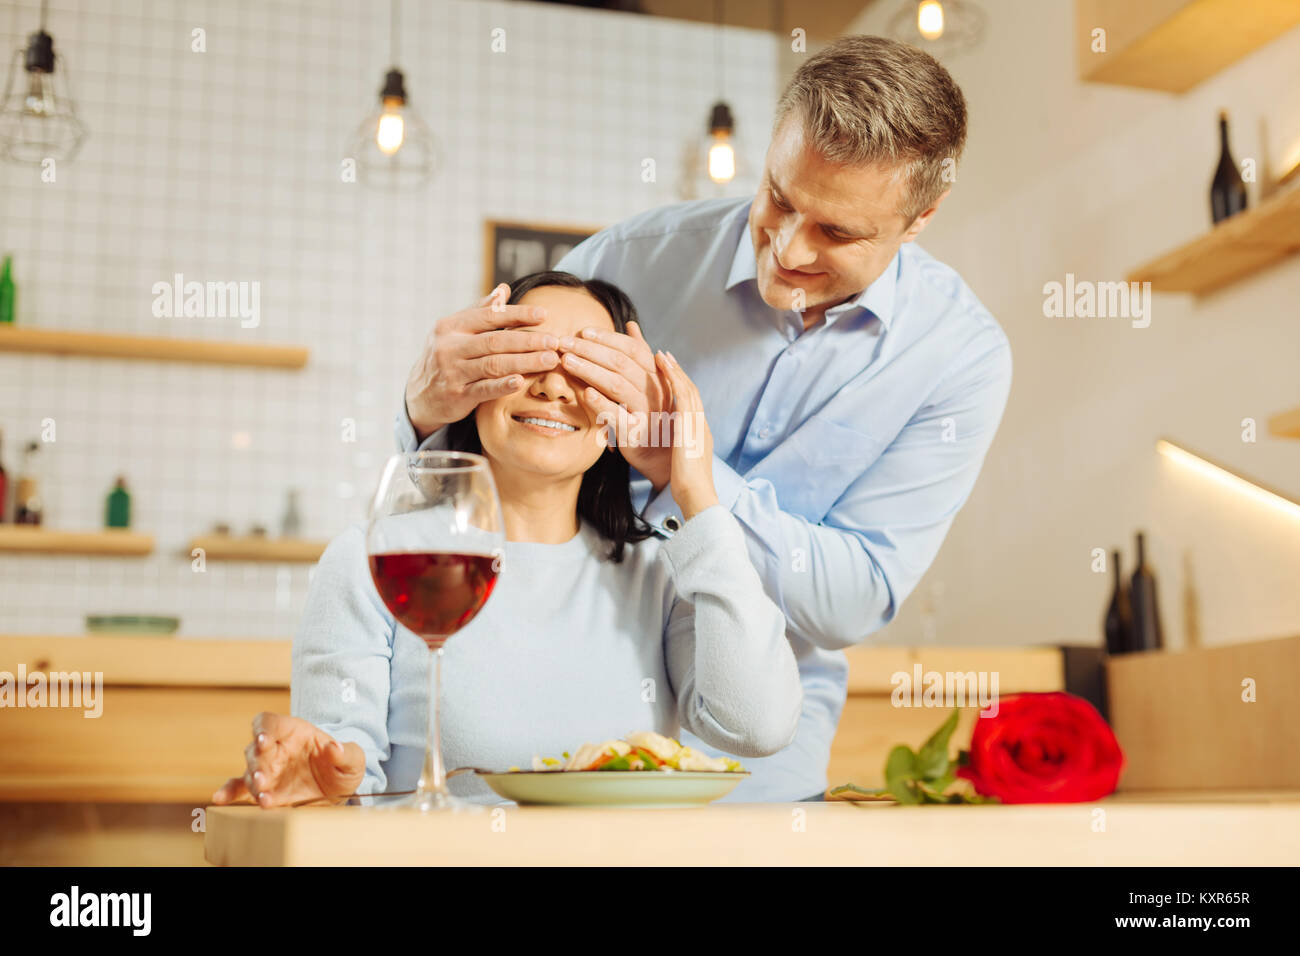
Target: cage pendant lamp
point(393, 147)
point(38, 117)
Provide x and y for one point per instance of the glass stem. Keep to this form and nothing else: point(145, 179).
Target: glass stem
point(433, 778)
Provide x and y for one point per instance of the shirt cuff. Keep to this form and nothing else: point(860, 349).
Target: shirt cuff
point(661, 511)
point(405, 433)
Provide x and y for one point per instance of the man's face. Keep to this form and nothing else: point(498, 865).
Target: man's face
point(822, 227)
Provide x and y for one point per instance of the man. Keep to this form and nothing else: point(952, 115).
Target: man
point(852, 383)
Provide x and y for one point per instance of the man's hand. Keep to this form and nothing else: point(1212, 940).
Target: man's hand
point(290, 760)
point(620, 370)
point(474, 356)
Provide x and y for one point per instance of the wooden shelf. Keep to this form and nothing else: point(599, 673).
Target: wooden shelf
point(39, 540)
point(1285, 424)
point(281, 550)
point(1173, 45)
point(105, 345)
point(1233, 249)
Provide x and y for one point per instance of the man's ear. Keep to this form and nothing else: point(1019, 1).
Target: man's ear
point(923, 220)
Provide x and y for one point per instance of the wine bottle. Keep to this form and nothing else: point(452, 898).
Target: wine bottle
point(1119, 616)
point(117, 510)
point(1227, 189)
point(4, 483)
point(1147, 633)
point(7, 292)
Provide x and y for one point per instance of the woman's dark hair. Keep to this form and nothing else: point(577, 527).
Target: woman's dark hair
point(604, 499)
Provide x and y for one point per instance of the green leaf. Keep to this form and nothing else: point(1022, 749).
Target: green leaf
point(618, 763)
point(932, 758)
point(900, 771)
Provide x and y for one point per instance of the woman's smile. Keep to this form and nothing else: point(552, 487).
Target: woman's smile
point(557, 426)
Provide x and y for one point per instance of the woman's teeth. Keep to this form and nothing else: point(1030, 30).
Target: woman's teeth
point(546, 423)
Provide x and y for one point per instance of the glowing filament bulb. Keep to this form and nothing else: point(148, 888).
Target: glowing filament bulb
point(392, 129)
point(929, 19)
point(722, 159)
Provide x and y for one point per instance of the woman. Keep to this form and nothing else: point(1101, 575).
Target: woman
point(595, 628)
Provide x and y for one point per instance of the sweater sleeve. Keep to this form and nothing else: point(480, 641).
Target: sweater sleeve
point(732, 668)
point(342, 654)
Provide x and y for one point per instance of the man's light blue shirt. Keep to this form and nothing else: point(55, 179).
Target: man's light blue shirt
point(845, 450)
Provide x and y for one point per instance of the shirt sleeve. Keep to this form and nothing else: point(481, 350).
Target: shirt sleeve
point(844, 578)
point(404, 432)
point(732, 669)
point(342, 655)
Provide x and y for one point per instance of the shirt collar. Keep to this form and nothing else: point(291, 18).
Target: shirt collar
point(877, 298)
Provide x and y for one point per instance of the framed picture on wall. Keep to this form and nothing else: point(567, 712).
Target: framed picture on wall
point(514, 249)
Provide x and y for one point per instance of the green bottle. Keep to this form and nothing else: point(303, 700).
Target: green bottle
point(7, 292)
point(119, 506)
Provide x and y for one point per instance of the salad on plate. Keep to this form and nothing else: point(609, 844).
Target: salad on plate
point(643, 750)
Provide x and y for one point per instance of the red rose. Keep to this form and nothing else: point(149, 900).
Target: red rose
point(1044, 748)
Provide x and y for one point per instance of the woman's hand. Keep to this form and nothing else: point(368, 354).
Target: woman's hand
point(692, 455)
point(291, 760)
point(624, 389)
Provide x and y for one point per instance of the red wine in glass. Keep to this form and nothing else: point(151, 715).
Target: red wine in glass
point(434, 593)
point(434, 542)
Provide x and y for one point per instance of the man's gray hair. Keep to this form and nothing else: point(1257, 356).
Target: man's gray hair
point(865, 100)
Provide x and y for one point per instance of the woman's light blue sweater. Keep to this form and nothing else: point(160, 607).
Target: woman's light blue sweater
point(570, 648)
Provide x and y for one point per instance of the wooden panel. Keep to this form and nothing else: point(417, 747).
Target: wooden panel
point(1183, 724)
point(111, 541)
point(100, 834)
point(1173, 45)
point(105, 345)
point(833, 833)
point(871, 669)
point(249, 548)
point(160, 661)
point(1233, 249)
point(157, 745)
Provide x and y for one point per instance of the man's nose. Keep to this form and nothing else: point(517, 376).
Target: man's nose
point(792, 248)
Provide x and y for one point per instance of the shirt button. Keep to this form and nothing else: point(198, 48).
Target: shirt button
point(764, 433)
point(671, 523)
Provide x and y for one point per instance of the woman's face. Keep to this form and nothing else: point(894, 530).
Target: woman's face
point(556, 395)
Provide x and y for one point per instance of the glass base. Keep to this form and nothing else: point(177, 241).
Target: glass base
point(430, 802)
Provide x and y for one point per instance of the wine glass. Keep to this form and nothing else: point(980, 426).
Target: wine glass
point(435, 539)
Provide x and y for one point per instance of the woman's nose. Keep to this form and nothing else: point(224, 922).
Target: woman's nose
point(555, 385)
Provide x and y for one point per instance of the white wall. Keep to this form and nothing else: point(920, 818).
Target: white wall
point(1059, 177)
point(224, 165)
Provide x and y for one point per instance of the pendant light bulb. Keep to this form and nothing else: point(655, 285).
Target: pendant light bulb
point(929, 19)
point(391, 131)
point(722, 158)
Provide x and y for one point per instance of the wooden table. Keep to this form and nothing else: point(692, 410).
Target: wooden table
point(1259, 828)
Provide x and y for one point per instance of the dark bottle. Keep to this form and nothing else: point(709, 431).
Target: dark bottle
point(1147, 634)
point(1227, 190)
point(1119, 616)
point(4, 483)
point(27, 495)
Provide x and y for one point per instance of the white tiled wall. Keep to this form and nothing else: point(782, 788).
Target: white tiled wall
point(224, 165)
